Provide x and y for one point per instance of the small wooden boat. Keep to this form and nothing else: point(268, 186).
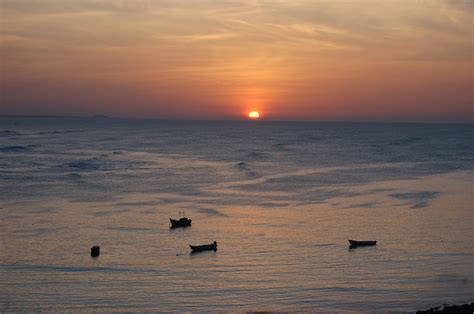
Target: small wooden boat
point(182, 222)
point(205, 247)
point(355, 243)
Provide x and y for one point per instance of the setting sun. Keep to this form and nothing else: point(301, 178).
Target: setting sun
point(254, 115)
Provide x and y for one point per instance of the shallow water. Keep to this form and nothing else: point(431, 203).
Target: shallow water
point(281, 200)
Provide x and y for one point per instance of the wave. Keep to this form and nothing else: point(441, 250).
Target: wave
point(86, 164)
point(364, 205)
point(406, 141)
point(211, 212)
point(269, 204)
point(9, 133)
point(108, 212)
point(74, 176)
point(16, 149)
point(129, 229)
point(323, 244)
point(417, 199)
point(60, 132)
point(16, 133)
point(73, 269)
point(244, 167)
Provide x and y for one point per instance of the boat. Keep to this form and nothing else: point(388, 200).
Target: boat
point(95, 251)
point(205, 247)
point(354, 243)
point(182, 222)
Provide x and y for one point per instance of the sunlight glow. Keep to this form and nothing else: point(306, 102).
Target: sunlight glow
point(254, 115)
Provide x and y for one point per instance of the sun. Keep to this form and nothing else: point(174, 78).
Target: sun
point(254, 115)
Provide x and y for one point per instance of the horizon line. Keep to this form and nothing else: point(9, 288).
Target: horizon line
point(105, 117)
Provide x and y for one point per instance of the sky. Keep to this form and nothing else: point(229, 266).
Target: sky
point(364, 60)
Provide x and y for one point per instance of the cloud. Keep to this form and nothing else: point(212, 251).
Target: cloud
point(320, 54)
point(202, 37)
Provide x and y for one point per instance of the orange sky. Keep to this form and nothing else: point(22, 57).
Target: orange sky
point(389, 60)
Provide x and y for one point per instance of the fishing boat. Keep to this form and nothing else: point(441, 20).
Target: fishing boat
point(182, 222)
point(205, 247)
point(355, 243)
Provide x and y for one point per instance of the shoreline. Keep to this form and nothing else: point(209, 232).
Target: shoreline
point(448, 309)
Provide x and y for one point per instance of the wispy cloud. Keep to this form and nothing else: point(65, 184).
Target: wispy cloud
point(201, 37)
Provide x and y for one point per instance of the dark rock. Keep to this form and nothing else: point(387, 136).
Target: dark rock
point(450, 309)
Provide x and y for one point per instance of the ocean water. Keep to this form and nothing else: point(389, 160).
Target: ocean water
point(281, 199)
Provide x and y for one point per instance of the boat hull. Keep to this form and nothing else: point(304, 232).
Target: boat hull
point(355, 243)
point(183, 222)
point(202, 248)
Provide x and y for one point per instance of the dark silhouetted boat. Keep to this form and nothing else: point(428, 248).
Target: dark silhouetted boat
point(182, 222)
point(354, 243)
point(95, 251)
point(205, 247)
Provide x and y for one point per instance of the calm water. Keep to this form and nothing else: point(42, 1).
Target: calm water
point(281, 200)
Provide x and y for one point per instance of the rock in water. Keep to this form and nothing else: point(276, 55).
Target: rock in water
point(95, 251)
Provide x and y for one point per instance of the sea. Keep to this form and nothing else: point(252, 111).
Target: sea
point(281, 199)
